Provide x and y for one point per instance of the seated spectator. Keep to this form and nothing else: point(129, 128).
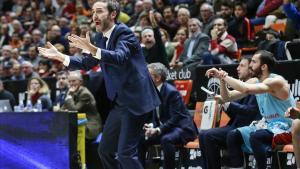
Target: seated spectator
point(223, 47)
point(240, 27)
point(16, 72)
point(207, 17)
point(273, 44)
point(194, 48)
point(81, 100)
point(27, 70)
point(226, 11)
point(241, 112)
point(62, 85)
point(169, 46)
point(44, 68)
point(183, 16)
point(179, 40)
point(171, 124)
point(37, 89)
point(152, 44)
point(168, 21)
point(6, 95)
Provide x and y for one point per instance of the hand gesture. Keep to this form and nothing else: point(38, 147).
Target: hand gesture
point(51, 52)
point(214, 34)
point(81, 43)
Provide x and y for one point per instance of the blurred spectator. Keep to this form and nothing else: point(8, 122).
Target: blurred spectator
point(168, 44)
point(183, 16)
point(147, 5)
point(168, 21)
point(152, 44)
point(15, 41)
point(226, 11)
point(207, 17)
point(37, 38)
point(6, 66)
point(195, 8)
point(56, 37)
point(48, 9)
point(240, 27)
point(6, 53)
point(62, 86)
point(179, 40)
point(33, 57)
point(37, 89)
point(16, 72)
point(138, 9)
point(273, 44)
point(223, 47)
point(17, 28)
point(28, 71)
point(6, 95)
point(44, 68)
point(73, 51)
point(4, 37)
point(15, 54)
point(127, 6)
point(195, 47)
point(27, 41)
point(63, 24)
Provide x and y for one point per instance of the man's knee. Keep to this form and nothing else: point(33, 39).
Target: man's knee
point(166, 140)
point(233, 137)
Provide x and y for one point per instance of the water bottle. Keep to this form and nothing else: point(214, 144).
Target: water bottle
point(28, 106)
point(39, 106)
point(21, 106)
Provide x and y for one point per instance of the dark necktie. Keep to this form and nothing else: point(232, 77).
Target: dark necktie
point(104, 42)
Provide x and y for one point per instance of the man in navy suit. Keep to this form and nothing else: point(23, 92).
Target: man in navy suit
point(128, 83)
point(241, 113)
point(172, 123)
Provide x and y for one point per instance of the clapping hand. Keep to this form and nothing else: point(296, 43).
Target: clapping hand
point(51, 52)
point(81, 43)
point(214, 72)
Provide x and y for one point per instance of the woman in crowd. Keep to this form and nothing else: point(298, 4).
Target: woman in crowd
point(38, 91)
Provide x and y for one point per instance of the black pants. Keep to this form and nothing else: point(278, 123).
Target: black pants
point(211, 141)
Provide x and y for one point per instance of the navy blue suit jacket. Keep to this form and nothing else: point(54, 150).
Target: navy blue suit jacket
point(173, 112)
point(242, 112)
point(126, 76)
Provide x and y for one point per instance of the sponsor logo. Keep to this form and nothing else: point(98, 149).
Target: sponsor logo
point(182, 74)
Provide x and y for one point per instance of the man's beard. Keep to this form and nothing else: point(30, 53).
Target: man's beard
point(257, 72)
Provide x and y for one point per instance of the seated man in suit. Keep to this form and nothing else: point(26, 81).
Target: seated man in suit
point(62, 85)
point(241, 113)
point(80, 99)
point(171, 124)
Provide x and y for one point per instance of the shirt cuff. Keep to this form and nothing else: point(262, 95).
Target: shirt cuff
point(98, 54)
point(67, 60)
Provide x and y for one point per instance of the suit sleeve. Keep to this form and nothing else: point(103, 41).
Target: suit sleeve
point(85, 63)
point(126, 46)
point(247, 108)
point(175, 103)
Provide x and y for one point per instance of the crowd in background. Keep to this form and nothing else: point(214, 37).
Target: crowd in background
point(169, 31)
point(176, 33)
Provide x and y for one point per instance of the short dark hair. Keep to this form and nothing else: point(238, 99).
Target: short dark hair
point(247, 57)
point(113, 5)
point(267, 58)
